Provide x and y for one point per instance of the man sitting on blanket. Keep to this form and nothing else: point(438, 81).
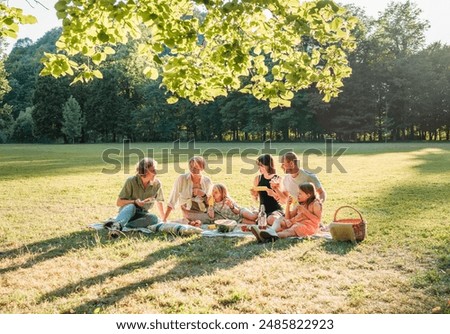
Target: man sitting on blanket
point(294, 177)
point(136, 198)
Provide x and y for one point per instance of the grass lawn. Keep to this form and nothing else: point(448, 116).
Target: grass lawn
point(51, 263)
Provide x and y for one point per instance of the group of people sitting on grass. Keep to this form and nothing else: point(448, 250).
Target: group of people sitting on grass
point(203, 202)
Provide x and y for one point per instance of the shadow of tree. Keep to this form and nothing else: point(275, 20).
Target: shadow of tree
point(433, 161)
point(408, 199)
point(412, 219)
point(191, 253)
point(49, 249)
point(338, 247)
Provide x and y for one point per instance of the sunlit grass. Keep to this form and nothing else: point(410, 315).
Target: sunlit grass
point(51, 263)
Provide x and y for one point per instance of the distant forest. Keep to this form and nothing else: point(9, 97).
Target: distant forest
point(399, 90)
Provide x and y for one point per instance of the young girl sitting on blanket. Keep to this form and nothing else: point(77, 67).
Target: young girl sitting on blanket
point(303, 220)
point(222, 206)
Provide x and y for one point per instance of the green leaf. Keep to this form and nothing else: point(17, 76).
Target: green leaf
point(69, 71)
point(29, 19)
point(61, 5)
point(97, 58)
point(157, 60)
point(287, 95)
point(97, 74)
point(103, 37)
point(8, 21)
point(10, 33)
point(151, 73)
point(60, 45)
point(109, 50)
point(284, 103)
point(227, 81)
point(172, 100)
point(78, 78)
point(61, 15)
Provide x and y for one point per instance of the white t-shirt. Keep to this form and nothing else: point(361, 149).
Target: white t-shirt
point(291, 184)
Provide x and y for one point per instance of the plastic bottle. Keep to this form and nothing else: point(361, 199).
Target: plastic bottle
point(262, 218)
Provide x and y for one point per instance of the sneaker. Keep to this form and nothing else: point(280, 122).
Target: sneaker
point(256, 232)
point(108, 223)
point(269, 235)
point(116, 226)
point(114, 234)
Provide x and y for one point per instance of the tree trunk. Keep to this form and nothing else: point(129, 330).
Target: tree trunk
point(286, 134)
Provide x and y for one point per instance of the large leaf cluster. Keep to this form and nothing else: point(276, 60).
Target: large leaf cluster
point(225, 49)
point(10, 18)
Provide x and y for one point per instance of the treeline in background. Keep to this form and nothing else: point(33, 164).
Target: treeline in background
point(399, 90)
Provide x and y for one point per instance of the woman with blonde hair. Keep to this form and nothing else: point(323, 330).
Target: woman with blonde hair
point(191, 191)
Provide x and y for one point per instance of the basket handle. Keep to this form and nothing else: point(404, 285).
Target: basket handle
point(347, 206)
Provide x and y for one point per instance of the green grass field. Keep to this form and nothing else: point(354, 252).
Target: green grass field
point(51, 263)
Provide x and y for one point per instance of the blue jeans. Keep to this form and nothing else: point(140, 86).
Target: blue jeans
point(132, 217)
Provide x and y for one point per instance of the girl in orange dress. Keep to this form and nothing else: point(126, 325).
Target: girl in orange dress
point(303, 220)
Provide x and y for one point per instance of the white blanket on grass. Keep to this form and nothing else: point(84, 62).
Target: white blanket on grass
point(237, 233)
point(100, 226)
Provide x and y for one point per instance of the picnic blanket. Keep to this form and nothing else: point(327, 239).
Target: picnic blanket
point(100, 226)
point(237, 233)
point(214, 233)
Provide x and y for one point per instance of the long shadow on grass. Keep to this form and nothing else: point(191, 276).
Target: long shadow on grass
point(48, 249)
point(434, 162)
point(338, 248)
point(198, 257)
point(412, 219)
point(407, 199)
point(426, 241)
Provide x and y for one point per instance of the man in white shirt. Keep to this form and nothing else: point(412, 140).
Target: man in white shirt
point(293, 178)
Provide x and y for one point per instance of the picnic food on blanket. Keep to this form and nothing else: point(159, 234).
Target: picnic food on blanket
point(245, 228)
point(225, 225)
point(260, 188)
point(196, 223)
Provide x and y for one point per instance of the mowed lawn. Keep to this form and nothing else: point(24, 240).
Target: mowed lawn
point(52, 263)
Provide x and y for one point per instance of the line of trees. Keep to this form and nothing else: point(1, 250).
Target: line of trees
point(399, 90)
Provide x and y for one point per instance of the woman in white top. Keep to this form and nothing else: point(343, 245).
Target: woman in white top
point(191, 191)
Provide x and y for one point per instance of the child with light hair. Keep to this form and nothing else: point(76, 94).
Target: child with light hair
point(222, 206)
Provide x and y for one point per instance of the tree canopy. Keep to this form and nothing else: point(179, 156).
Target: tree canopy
point(206, 48)
point(10, 18)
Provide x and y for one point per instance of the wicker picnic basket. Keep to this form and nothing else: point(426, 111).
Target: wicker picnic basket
point(348, 229)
